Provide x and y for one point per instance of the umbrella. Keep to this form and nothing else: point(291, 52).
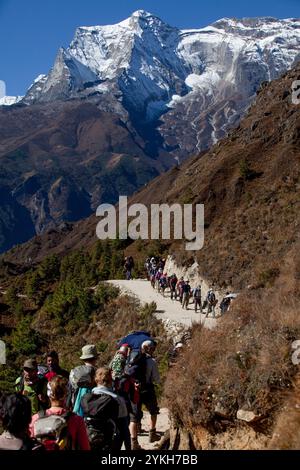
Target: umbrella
point(135, 339)
point(231, 296)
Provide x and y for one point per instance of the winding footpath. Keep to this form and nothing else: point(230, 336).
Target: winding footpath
point(166, 308)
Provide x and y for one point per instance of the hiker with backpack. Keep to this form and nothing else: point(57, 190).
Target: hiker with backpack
point(179, 288)
point(147, 389)
point(147, 266)
point(82, 378)
point(128, 267)
point(173, 282)
point(158, 275)
point(161, 263)
point(211, 302)
point(145, 371)
point(106, 415)
point(197, 298)
point(117, 365)
point(163, 283)
point(33, 386)
point(186, 290)
point(58, 428)
point(15, 417)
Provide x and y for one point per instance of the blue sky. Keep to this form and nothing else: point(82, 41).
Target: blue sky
point(31, 31)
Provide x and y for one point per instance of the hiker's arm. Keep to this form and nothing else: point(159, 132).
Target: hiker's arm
point(155, 373)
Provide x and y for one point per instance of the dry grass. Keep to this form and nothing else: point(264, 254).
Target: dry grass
point(287, 429)
point(244, 363)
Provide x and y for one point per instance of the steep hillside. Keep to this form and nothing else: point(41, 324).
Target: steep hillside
point(249, 185)
point(228, 387)
point(60, 161)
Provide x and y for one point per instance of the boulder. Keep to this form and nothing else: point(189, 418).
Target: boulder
point(248, 416)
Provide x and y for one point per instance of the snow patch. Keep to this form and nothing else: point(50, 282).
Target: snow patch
point(10, 100)
point(207, 81)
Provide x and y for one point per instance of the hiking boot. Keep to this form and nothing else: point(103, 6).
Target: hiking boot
point(135, 445)
point(153, 436)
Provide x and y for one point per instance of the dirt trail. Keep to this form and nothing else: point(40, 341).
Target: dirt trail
point(166, 308)
point(162, 425)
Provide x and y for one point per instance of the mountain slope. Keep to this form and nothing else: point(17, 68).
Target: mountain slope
point(249, 185)
point(124, 103)
point(59, 161)
point(200, 80)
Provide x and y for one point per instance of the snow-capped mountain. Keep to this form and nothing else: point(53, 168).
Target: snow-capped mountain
point(199, 82)
point(10, 100)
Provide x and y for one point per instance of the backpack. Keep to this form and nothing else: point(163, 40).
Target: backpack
point(211, 298)
point(136, 367)
point(80, 377)
point(186, 288)
point(100, 413)
point(52, 431)
point(197, 293)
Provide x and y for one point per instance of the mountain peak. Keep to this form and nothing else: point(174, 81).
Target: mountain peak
point(141, 14)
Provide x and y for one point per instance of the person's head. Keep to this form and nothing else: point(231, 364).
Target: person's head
point(52, 360)
point(89, 354)
point(58, 389)
point(103, 377)
point(15, 414)
point(30, 370)
point(124, 349)
point(148, 347)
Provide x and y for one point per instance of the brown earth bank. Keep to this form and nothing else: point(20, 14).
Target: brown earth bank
point(230, 386)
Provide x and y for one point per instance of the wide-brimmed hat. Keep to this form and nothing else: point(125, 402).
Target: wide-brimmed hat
point(30, 364)
point(89, 352)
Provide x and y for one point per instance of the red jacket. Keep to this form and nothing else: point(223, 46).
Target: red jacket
point(76, 427)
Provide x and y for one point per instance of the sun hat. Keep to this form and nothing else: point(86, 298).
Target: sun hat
point(89, 352)
point(30, 364)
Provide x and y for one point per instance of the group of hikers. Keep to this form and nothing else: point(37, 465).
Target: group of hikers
point(181, 289)
point(89, 408)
